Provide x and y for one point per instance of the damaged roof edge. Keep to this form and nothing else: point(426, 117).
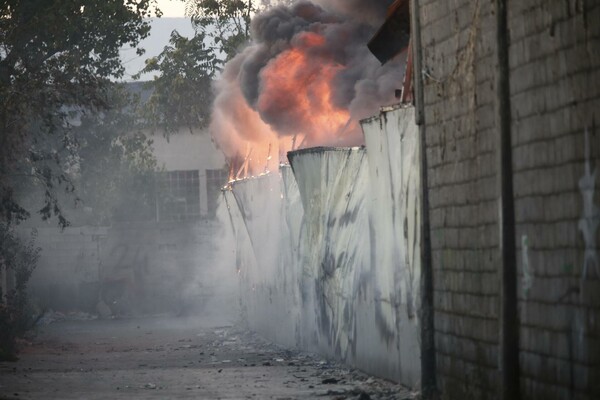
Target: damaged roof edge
point(385, 110)
point(393, 36)
point(322, 149)
point(291, 155)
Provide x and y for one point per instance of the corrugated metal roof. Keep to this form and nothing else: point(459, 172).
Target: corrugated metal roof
point(392, 38)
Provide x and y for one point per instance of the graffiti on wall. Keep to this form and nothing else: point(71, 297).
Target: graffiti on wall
point(589, 221)
point(527, 275)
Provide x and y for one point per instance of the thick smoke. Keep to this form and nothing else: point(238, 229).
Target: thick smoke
point(367, 12)
point(306, 79)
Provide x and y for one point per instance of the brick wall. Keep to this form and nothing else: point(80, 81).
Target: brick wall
point(458, 55)
point(555, 98)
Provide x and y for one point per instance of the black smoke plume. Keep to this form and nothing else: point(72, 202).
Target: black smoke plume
point(358, 86)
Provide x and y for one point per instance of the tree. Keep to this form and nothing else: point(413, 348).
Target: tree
point(181, 93)
point(17, 260)
point(57, 58)
point(114, 174)
point(226, 23)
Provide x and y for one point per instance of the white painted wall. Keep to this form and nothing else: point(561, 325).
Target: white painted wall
point(328, 256)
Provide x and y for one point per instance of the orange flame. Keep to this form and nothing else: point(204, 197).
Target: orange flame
point(296, 88)
point(294, 109)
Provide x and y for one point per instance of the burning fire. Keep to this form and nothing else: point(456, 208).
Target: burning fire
point(306, 80)
point(297, 87)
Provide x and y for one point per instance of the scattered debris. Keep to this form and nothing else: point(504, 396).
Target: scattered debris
point(103, 309)
point(220, 354)
point(363, 396)
point(51, 316)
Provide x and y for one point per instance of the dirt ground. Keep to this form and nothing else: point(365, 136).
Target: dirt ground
point(174, 358)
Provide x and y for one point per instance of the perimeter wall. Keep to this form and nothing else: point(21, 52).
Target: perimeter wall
point(327, 250)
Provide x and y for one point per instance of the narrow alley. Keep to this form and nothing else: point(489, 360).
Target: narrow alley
point(175, 358)
point(300, 199)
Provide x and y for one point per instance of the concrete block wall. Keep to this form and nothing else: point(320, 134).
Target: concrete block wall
point(458, 57)
point(554, 62)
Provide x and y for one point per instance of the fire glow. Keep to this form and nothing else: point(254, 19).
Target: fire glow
point(305, 80)
point(297, 87)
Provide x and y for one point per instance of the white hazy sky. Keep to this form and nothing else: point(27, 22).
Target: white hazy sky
point(160, 33)
point(173, 19)
point(172, 8)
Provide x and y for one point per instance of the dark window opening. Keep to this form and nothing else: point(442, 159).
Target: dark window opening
point(178, 196)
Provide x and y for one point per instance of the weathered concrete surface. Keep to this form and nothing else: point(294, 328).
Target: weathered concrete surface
point(334, 248)
point(173, 358)
point(328, 254)
point(394, 188)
